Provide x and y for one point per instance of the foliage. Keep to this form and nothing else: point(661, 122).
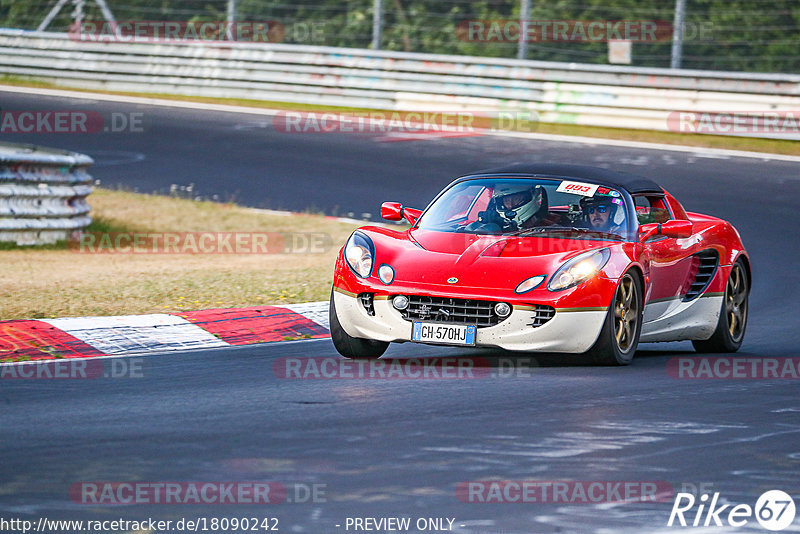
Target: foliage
point(738, 35)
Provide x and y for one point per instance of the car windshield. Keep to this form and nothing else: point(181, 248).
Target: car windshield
point(530, 206)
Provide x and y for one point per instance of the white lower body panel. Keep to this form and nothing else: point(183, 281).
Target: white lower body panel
point(686, 320)
point(567, 331)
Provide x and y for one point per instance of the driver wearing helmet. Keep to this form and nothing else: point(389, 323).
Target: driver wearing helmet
point(521, 206)
point(599, 213)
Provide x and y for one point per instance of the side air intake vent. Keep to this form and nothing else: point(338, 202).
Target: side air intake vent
point(705, 263)
point(542, 314)
point(368, 303)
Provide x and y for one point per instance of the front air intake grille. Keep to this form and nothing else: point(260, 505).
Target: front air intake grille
point(705, 263)
point(451, 310)
point(542, 314)
point(367, 301)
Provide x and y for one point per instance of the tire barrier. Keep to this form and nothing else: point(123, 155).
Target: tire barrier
point(42, 194)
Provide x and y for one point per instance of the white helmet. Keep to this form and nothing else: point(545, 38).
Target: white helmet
point(517, 202)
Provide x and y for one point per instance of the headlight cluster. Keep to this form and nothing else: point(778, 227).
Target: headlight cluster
point(579, 269)
point(359, 253)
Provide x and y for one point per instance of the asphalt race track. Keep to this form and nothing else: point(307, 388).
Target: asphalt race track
point(400, 448)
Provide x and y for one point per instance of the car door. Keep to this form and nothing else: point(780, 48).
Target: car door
point(668, 260)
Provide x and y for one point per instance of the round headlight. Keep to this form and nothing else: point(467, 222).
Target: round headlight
point(579, 269)
point(386, 274)
point(400, 302)
point(358, 252)
point(502, 309)
point(531, 283)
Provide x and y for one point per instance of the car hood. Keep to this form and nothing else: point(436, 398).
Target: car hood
point(480, 261)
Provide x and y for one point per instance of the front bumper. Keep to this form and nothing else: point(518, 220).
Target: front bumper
point(573, 331)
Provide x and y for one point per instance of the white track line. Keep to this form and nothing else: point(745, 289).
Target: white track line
point(700, 151)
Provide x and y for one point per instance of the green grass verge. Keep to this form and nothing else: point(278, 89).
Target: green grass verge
point(99, 224)
point(61, 281)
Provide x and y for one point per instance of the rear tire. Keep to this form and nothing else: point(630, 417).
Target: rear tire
point(729, 334)
point(619, 337)
point(354, 348)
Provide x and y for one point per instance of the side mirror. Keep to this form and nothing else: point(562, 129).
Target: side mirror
point(394, 211)
point(676, 229)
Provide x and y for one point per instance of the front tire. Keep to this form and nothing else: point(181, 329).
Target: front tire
point(729, 334)
point(619, 337)
point(353, 347)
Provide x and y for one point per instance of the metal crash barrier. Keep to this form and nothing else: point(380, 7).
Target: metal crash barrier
point(42, 194)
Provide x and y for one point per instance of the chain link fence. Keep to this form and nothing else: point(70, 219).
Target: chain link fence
point(734, 35)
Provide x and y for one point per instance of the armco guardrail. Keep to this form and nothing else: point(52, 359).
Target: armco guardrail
point(598, 95)
point(42, 194)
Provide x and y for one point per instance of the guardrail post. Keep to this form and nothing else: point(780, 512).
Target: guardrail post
point(524, 15)
point(231, 11)
point(677, 34)
point(377, 24)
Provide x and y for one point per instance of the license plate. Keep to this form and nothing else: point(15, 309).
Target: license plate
point(450, 334)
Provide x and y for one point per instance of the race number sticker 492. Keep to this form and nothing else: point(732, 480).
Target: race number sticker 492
point(577, 188)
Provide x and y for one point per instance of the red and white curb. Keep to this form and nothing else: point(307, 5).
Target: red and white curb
point(45, 339)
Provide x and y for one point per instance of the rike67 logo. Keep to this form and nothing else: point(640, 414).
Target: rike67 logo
point(774, 510)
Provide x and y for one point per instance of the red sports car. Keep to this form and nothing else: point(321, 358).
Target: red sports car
point(543, 257)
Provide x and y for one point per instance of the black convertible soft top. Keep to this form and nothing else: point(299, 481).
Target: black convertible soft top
point(632, 183)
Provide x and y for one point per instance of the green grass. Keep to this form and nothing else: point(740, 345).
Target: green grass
point(58, 281)
point(99, 224)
